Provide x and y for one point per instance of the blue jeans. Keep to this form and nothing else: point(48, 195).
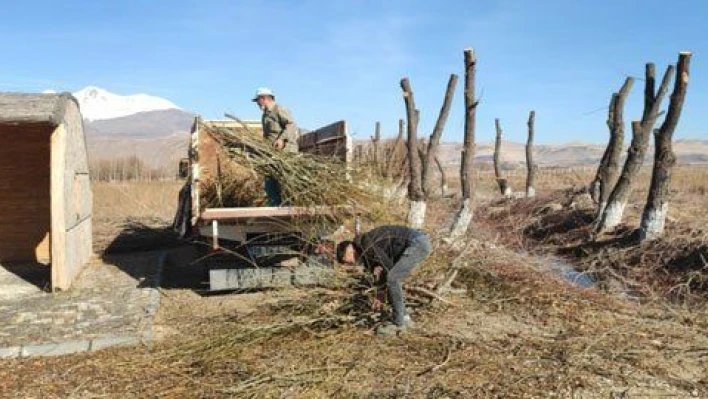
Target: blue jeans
point(272, 189)
point(417, 251)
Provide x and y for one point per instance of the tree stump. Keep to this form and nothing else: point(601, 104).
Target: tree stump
point(657, 206)
point(464, 215)
point(612, 215)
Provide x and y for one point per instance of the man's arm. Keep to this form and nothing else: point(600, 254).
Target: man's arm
point(290, 131)
point(382, 257)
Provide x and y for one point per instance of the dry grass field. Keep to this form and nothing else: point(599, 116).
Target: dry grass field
point(510, 328)
point(130, 208)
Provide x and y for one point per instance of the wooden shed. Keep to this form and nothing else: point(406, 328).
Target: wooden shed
point(45, 192)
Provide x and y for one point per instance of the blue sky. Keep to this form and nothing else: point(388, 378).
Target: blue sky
point(331, 60)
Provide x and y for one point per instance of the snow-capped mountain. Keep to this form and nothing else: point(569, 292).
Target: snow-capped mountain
point(97, 103)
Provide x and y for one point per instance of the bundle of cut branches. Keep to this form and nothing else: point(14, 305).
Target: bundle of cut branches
point(232, 189)
point(306, 180)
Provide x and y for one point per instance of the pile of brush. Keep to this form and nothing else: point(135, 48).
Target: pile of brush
point(306, 180)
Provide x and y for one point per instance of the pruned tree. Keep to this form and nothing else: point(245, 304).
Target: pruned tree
point(608, 170)
point(359, 154)
point(617, 201)
point(530, 165)
point(443, 177)
point(503, 184)
point(375, 140)
point(435, 136)
point(393, 155)
point(657, 206)
point(416, 211)
point(464, 215)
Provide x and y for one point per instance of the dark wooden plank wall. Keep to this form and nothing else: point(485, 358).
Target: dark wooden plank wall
point(25, 203)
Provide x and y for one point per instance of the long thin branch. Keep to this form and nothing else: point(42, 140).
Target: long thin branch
point(437, 133)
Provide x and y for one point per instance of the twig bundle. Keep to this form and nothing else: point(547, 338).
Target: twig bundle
point(232, 190)
point(306, 180)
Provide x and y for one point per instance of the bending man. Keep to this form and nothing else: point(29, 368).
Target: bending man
point(390, 253)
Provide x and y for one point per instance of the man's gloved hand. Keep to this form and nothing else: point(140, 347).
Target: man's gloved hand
point(378, 270)
point(377, 304)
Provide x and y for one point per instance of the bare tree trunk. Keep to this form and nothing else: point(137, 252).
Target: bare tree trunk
point(464, 215)
point(375, 143)
point(594, 187)
point(657, 206)
point(530, 165)
point(393, 156)
point(443, 177)
point(416, 213)
point(503, 183)
point(635, 156)
point(422, 150)
point(609, 166)
point(434, 142)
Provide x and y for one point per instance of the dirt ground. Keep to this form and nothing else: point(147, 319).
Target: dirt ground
point(507, 329)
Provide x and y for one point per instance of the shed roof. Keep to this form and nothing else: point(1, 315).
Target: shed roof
point(34, 108)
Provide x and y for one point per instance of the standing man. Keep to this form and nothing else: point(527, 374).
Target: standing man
point(390, 253)
point(278, 127)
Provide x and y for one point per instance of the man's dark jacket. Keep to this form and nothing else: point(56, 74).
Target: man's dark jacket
point(384, 245)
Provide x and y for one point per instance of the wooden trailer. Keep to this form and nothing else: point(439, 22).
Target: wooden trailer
point(245, 226)
point(45, 193)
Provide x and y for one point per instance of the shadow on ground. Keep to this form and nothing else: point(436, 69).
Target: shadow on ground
point(148, 238)
point(139, 236)
point(25, 277)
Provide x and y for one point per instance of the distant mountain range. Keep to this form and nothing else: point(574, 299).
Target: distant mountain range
point(156, 130)
point(97, 103)
point(567, 154)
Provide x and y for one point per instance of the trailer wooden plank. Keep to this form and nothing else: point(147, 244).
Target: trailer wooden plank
point(330, 140)
point(263, 212)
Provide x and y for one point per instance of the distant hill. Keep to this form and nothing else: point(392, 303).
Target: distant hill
point(143, 124)
point(162, 151)
point(568, 154)
point(159, 138)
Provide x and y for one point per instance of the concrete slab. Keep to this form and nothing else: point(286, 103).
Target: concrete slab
point(267, 277)
point(113, 302)
point(15, 287)
point(58, 349)
point(113, 340)
point(10, 352)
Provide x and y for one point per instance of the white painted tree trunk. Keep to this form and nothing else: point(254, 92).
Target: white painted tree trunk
point(601, 210)
point(595, 192)
point(462, 220)
point(401, 194)
point(416, 214)
point(508, 192)
point(653, 223)
point(392, 192)
point(612, 216)
point(530, 192)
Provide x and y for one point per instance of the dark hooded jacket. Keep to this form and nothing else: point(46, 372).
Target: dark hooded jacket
point(384, 245)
